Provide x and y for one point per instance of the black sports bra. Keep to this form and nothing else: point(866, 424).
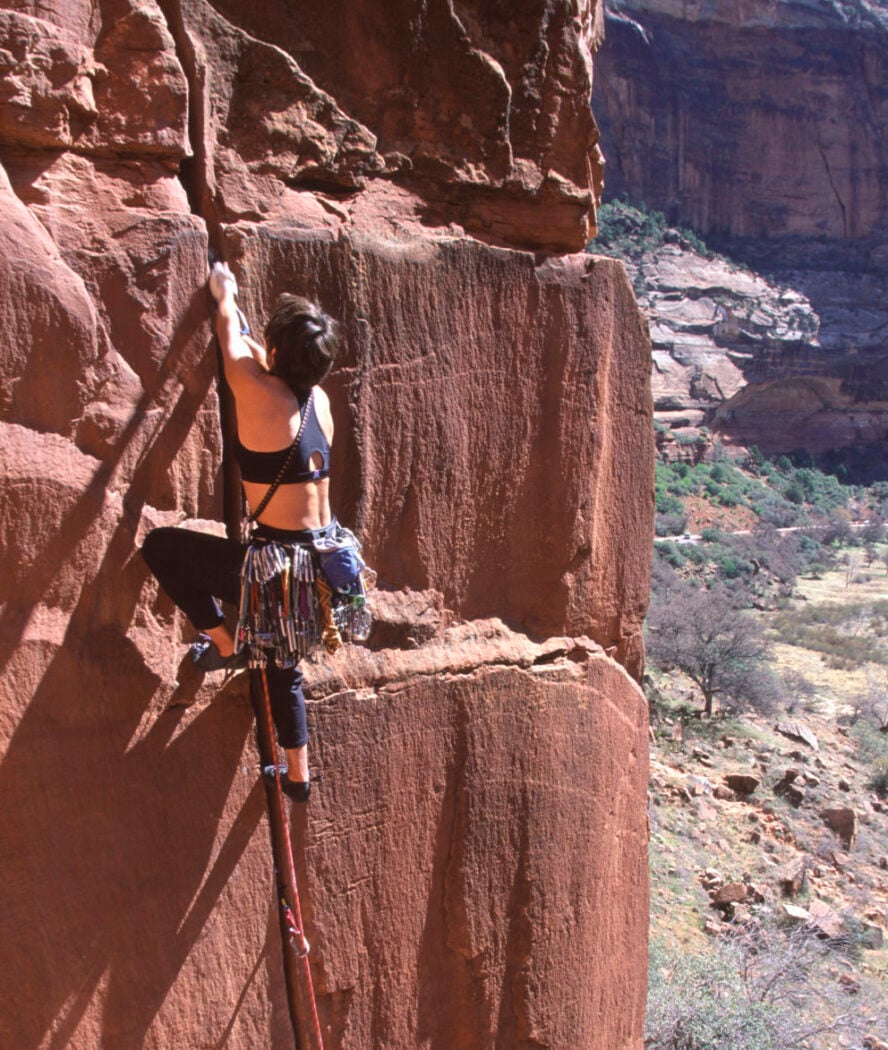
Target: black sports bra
point(263, 467)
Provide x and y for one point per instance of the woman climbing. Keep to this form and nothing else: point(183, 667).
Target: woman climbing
point(278, 577)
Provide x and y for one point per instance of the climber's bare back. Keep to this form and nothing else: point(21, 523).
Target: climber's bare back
point(268, 420)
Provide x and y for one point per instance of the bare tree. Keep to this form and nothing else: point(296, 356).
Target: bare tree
point(759, 987)
point(871, 703)
point(721, 648)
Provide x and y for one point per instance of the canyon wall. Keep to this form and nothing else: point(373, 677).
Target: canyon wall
point(755, 119)
point(763, 127)
point(474, 863)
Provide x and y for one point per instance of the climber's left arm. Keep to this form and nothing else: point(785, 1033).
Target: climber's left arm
point(240, 360)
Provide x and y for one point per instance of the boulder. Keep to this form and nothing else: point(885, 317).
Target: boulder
point(793, 879)
point(798, 731)
point(826, 920)
point(796, 913)
point(789, 789)
point(730, 893)
point(742, 783)
point(843, 821)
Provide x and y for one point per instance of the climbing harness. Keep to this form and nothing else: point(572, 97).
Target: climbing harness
point(296, 597)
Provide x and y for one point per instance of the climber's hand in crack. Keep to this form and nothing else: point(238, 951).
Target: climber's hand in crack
point(222, 282)
point(231, 325)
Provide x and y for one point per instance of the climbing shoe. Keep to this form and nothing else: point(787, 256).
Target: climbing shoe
point(297, 790)
point(207, 657)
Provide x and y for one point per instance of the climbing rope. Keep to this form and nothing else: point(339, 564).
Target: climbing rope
point(291, 911)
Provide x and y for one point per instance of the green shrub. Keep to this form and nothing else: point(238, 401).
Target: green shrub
point(696, 553)
point(878, 779)
point(795, 493)
point(700, 1002)
point(669, 504)
point(671, 553)
point(627, 231)
point(731, 566)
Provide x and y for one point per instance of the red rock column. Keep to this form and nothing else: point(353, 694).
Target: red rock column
point(475, 861)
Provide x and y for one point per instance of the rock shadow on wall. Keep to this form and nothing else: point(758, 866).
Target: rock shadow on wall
point(35, 581)
point(89, 827)
point(92, 904)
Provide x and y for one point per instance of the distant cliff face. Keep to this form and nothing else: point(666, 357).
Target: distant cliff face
point(749, 119)
point(474, 865)
point(763, 126)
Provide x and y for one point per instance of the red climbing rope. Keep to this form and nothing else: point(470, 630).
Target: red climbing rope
point(291, 910)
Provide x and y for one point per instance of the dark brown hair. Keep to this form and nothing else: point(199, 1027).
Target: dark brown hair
point(305, 340)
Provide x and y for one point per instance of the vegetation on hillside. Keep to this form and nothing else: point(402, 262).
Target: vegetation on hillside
point(778, 613)
point(626, 231)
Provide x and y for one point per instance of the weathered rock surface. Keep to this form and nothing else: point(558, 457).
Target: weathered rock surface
point(474, 863)
point(489, 418)
point(716, 328)
point(474, 905)
point(478, 117)
point(742, 783)
point(762, 362)
point(843, 821)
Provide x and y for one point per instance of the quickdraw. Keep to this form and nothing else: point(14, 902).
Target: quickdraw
point(289, 607)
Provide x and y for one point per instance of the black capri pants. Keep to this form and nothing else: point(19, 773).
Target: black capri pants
point(198, 571)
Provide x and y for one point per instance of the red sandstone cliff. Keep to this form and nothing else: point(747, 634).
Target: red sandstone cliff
point(475, 863)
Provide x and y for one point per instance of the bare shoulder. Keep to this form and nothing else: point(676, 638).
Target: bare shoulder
point(259, 394)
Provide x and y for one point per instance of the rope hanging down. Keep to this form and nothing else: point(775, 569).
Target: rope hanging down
point(291, 910)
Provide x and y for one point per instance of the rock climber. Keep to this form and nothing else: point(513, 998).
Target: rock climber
point(284, 436)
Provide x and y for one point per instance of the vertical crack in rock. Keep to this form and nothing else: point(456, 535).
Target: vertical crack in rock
point(196, 178)
point(514, 1026)
point(834, 188)
point(362, 340)
point(194, 170)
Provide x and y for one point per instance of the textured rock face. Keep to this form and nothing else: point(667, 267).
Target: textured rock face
point(766, 364)
point(819, 415)
point(750, 119)
point(466, 888)
point(460, 429)
point(714, 328)
point(477, 115)
point(475, 862)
